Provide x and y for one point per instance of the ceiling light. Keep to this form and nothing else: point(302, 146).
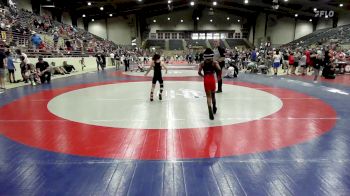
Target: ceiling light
point(211, 20)
point(228, 18)
point(238, 20)
point(101, 8)
point(326, 16)
point(92, 20)
point(89, 3)
point(341, 5)
point(169, 1)
point(84, 15)
point(296, 15)
point(315, 9)
point(154, 21)
point(110, 15)
point(192, 3)
point(310, 20)
point(181, 20)
point(214, 3)
point(168, 18)
point(246, 1)
point(285, 0)
point(197, 18)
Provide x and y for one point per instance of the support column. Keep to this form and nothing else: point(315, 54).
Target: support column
point(295, 28)
point(266, 20)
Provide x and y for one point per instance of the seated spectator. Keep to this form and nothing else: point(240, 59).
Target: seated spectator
point(43, 70)
point(57, 70)
point(68, 68)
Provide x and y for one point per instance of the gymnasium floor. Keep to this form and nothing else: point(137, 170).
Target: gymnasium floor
point(98, 134)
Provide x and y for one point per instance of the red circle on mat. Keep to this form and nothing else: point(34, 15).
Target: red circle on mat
point(302, 117)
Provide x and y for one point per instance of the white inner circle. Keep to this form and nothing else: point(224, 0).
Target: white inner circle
point(127, 105)
point(171, 73)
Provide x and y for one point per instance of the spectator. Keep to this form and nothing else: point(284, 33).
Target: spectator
point(101, 61)
point(112, 55)
point(68, 68)
point(10, 67)
point(43, 70)
point(36, 40)
point(2, 69)
point(20, 53)
point(55, 39)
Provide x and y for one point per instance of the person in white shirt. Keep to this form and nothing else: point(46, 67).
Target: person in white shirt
point(112, 55)
point(302, 63)
point(276, 61)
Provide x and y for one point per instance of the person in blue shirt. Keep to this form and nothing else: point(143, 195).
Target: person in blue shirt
point(253, 57)
point(36, 40)
point(10, 67)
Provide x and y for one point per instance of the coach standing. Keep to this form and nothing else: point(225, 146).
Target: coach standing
point(219, 56)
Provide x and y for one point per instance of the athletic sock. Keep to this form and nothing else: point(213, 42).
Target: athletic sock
point(211, 115)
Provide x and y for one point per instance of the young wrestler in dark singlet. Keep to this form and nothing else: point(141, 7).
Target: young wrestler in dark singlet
point(209, 67)
point(157, 66)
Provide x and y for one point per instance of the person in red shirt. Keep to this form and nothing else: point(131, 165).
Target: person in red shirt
point(291, 60)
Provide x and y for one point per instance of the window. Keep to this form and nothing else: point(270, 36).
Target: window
point(167, 35)
point(174, 36)
point(237, 35)
point(153, 36)
point(216, 36)
point(194, 35)
point(160, 36)
point(181, 36)
point(202, 36)
point(209, 36)
point(223, 35)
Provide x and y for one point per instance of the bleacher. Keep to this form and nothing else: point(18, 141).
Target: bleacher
point(339, 34)
point(212, 43)
point(176, 44)
point(196, 43)
point(236, 42)
point(157, 43)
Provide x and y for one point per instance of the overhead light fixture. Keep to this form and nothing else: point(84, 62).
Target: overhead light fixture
point(168, 18)
point(154, 21)
point(214, 3)
point(228, 18)
point(211, 20)
point(246, 1)
point(169, 1)
point(238, 20)
point(181, 20)
point(101, 8)
point(192, 3)
point(110, 15)
point(197, 18)
point(310, 20)
point(92, 20)
point(84, 15)
point(315, 9)
point(296, 15)
point(341, 5)
point(89, 3)
point(326, 16)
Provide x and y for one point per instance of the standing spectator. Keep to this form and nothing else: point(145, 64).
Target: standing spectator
point(126, 62)
point(20, 53)
point(303, 64)
point(10, 67)
point(317, 58)
point(291, 60)
point(101, 61)
point(43, 70)
point(36, 40)
point(2, 69)
point(112, 55)
point(276, 62)
point(55, 39)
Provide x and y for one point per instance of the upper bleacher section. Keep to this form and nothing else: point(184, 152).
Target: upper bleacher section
point(339, 35)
